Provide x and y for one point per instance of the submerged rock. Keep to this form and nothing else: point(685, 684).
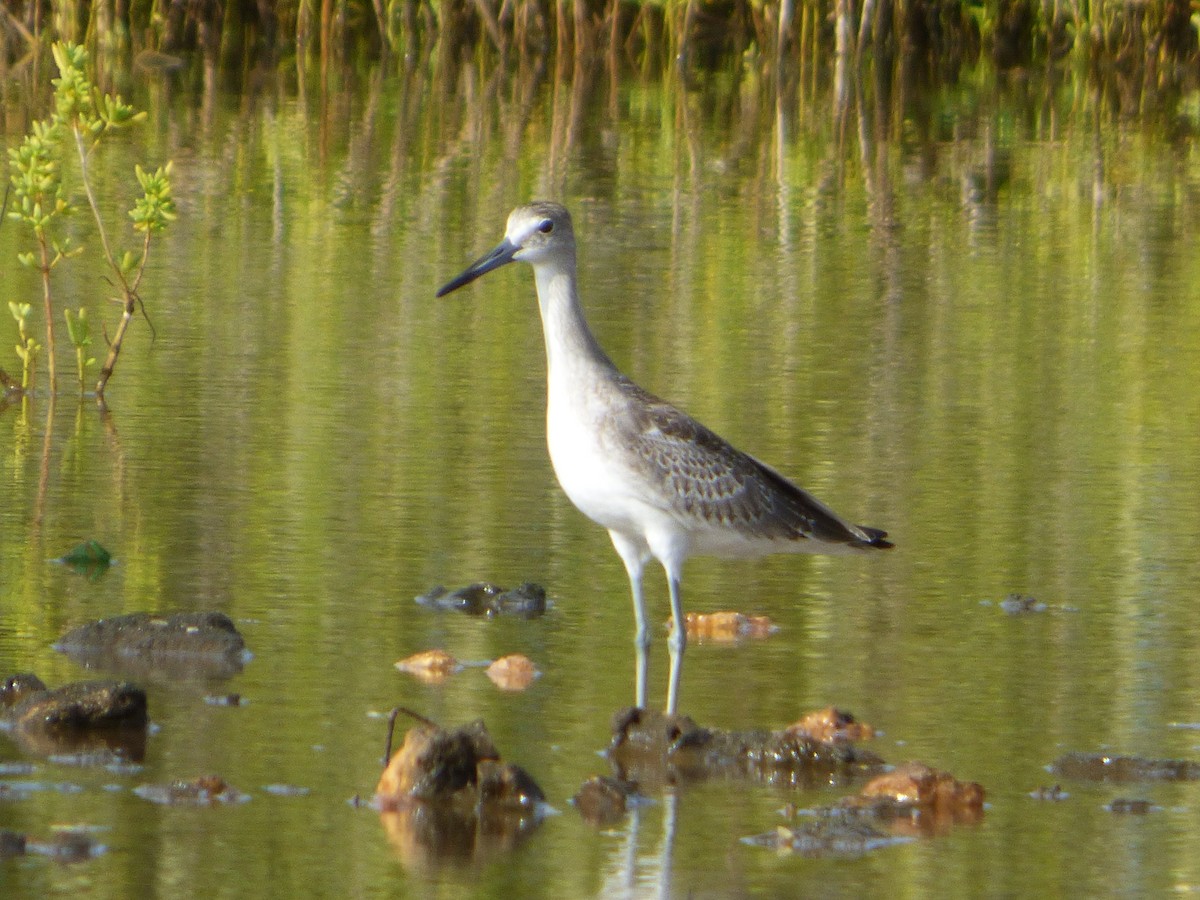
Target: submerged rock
point(67, 845)
point(12, 843)
point(603, 800)
point(514, 672)
point(17, 687)
point(832, 726)
point(1127, 806)
point(908, 802)
point(187, 645)
point(430, 666)
point(1052, 793)
point(1103, 767)
point(726, 626)
point(829, 833)
point(649, 746)
point(94, 721)
point(916, 787)
point(207, 790)
point(82, 705)
point(527, 600)
point(435, 764)
point(1016, 604)
point(447, 796)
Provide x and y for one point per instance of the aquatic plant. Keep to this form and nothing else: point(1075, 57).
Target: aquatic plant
point(88, 115)
point(83, 115)
point(27, 347)
point(38, 201)
point(80, 334)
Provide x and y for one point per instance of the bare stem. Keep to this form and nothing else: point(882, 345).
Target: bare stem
point(130, 300)
point(45, 253)
point(87, 187)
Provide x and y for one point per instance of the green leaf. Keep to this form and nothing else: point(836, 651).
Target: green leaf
point(89, 559)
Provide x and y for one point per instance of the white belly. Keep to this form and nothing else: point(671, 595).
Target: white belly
point(591, 476)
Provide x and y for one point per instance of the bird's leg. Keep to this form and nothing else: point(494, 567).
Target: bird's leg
point(641, 638)
point(634, 556)
point(677, 644)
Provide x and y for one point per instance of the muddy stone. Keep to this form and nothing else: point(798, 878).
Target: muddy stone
point(1018, 604)
point(1127, 806)
point(506, 787)
point(446, 797)
point(17, 687)
point(435, 764)
point(649, 746)
point(916, 784)
point(207, 790)
point(1103, 767)
point(912, 801)
point(726, 626)
point(919, 800)
point(527, 600)
point(832, 726)
point(68, 846)
point(205, 644)
point(830, 833)
point(1052, 793)
point(12, 843)
point(603, 800)
point(90, 722)
point(82, 705)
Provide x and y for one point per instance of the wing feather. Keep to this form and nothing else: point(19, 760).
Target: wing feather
point(703, 477)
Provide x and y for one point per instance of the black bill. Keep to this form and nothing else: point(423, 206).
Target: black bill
point(502, 255)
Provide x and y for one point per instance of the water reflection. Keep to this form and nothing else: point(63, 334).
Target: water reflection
point(985, 291)
point(634, 870)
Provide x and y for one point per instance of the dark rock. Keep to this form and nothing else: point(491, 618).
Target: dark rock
point(87, 722)
point(434, 763)
point(1016, 604)
point(527, 600)
point(505, 787)
point(602, 800)
point(17, 687)
point(1053, 793)
point(832, 726)
point(187, 645)
point(83, 705)
point(830, 834)
point(649, 746)
point(927, 800)
point(911, 801)
point(446, 797)
point(1103, 767)
point(68, 846)
point(1126, 806)
point(208, 790)
point(12, 843)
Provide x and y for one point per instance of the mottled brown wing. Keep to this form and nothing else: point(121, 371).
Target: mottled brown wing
point(704, 476)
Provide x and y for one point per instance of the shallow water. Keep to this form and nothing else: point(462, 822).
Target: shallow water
point(975, 323)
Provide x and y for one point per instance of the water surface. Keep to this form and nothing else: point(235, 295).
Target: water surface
point(973, 321)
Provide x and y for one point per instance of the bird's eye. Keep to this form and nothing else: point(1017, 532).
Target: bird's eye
point(546, 227)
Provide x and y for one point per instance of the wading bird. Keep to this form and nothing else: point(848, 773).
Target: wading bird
point(661, 483)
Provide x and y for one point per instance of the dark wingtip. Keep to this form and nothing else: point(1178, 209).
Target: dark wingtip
point(875, 538)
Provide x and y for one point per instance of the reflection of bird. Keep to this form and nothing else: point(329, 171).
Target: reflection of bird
point(661, 483)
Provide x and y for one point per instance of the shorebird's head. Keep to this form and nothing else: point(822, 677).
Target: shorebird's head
point(537, 232)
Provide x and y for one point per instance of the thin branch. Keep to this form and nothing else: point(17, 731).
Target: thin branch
point(87, 187)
